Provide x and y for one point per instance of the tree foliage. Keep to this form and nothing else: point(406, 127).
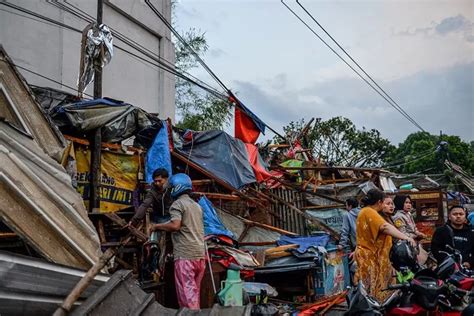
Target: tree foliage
point(425, 153)
point(197, 109)
point(337, 141)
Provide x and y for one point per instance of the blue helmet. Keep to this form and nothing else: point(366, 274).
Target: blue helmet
point(180, 183)
point(470, 218)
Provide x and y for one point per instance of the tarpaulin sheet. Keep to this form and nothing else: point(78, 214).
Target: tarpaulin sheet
point(117, 119)
point(212, 223)
point(222, 155)
point(304, 242)
point(158, 156)
point(261, 173)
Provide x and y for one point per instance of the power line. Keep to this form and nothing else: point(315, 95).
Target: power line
point(352, 59)
point(47, 78)
point(410, 161)
point(365, 80)
point(79, 13)
point(163, 67)
point(181, 39)
point(199, 59)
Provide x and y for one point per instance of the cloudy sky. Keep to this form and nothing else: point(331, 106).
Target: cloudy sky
point(420, 52)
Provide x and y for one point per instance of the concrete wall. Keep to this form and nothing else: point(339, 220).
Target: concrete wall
point(55, 51)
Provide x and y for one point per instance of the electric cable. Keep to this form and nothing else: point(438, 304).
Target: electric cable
point(47, 78)
point(351, 67)
point(79, 13)
point(165, 68)
point(357, 64)
point(181, 39)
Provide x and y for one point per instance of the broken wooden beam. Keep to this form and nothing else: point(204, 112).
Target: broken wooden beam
point(316, 221)
point(318, 207)
point(220, 196)
point(328, 168)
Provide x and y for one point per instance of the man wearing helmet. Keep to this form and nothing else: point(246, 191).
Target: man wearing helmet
point(187, 235)
point(456, 233)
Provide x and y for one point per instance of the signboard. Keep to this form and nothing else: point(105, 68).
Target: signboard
point(118, 179)
point(331, 217)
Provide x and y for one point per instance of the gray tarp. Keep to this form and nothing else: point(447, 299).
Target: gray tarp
point(118, 120)
point(221, 154)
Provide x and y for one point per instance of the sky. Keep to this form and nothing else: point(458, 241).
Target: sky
point(420, 52)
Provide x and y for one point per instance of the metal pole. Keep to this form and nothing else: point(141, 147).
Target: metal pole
point(94, 197)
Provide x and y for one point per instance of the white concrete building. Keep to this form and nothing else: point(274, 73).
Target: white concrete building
point(54, 51)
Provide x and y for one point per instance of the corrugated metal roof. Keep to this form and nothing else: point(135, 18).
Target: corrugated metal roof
point(30, 286)
point(38, 202)
point(23, 108)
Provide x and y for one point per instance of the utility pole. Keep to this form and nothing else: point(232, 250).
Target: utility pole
point(94, 197)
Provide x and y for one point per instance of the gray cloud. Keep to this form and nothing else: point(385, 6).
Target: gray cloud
point(449, 25)
point(452, 24)
point(439, 100)
point(216, 52)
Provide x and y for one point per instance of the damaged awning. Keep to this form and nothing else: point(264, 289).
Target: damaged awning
point(118, 120)
point(221, 154)
point(38, 202)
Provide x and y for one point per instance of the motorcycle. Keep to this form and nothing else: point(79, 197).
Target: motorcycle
point(425, 294)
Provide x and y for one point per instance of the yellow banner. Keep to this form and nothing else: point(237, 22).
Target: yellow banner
point(118, 180)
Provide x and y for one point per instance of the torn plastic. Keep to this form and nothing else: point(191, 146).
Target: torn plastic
point(117, 120)
point(96, 52)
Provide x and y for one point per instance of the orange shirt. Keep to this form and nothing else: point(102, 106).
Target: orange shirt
point(368, 231)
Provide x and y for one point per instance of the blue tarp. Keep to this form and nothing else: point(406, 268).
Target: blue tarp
point(304, 242)
point(158, 155)
point(222, 155)
point(212, 222)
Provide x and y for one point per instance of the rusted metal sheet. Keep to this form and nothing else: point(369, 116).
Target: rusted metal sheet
point(38, 202)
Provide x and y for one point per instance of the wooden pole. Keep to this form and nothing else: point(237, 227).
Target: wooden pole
point(95, 167)
point(319, 223)
point(82, 285)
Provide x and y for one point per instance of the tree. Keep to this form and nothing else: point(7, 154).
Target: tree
point(197, 109)
point(422, 152)
point(338, 142)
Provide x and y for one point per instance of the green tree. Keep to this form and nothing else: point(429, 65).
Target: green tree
point(338, 142)
point(197, 109)
point(425, 153)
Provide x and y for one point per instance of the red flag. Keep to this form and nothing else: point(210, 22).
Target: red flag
point(245, 128)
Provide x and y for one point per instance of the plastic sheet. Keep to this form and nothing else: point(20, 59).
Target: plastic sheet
point(118, 120)
point(97, 51)
point(212, 223)
point(158, 156)
point(222, 155)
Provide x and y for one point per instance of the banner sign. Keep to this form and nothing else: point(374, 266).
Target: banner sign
point(118, 178)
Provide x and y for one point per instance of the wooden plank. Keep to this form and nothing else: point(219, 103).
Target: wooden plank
point(280, 248)
point(318, 207)
point(100, 225)
point(220, 196)
point(328, 168)
point(321, 224)
point(116, 219)
point(217, 180)
point(202, 182)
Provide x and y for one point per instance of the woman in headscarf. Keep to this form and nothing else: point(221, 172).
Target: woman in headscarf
point(374, 240)
point(403, 219)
